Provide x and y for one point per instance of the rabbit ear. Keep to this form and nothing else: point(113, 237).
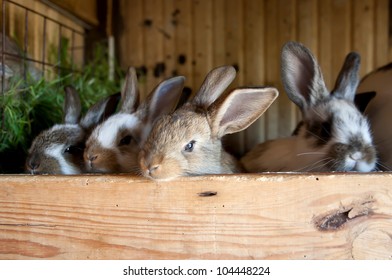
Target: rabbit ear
point(215, 83)
point(100, 111)
point(301, 76)
point(129, 92)
point(185, 95)
point(361, 100)
point(162, 100)
point(72, 106)
point(348, 79)
point(240, 109)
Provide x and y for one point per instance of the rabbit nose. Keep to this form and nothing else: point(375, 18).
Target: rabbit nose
point(33, 165)
point(92, 157)
point(153, 169)
point(356, 156)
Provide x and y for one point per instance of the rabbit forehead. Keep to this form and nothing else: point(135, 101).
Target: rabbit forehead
point(56, 151)
point(345, 120)
point(179, 128)
point(66, 134)
point(106, 134)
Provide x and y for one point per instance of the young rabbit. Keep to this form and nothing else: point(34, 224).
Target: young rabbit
point(114, 145)
point(188, 141)
point(333, 134)
point(14, 66)
point(59, 149)
point(379, 112)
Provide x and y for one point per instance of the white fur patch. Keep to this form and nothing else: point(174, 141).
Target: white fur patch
point(56, 151)
point(106, 133)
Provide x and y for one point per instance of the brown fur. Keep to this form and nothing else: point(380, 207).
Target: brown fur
point(201, 124)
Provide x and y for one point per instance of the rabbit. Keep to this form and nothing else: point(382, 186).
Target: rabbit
point(59, 149)
point(379, 112)
point(188, 141)
point(14, 65)
point(333, 135)
point(114, 145)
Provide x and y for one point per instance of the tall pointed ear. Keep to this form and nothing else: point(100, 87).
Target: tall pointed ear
point(301, 76)
point(215, 83)
point(72, 106)
point(238, 110)
point(162, 100)
point(100, 111)
point(129, 92)
point(362, 99)
point(185, 95)
point(348, 79)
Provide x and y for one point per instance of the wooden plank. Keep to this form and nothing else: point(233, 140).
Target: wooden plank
point(130, 37)
point(325, 41)
point(308, 24)
point(153, 42)
point(234, 41)
point(381, 35)
point(364, 33)
point(341, 34)
point(255, 67)
point(219, 29)
point(202, 40)
point(86, 10)
point(287, 31)
point(274, 216)
point(273, 62)
point(184, 45)
point(169, 38)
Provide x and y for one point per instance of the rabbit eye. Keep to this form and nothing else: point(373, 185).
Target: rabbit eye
point(189, 146)
point(325, 132)
point(126, 140)
point(73, 150)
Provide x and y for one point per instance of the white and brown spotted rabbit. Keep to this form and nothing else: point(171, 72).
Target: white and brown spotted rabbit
point(59, 149)
point(114, 145)
point(333, 134)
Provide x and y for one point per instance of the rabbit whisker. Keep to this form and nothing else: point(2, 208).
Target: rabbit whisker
point(315, 135)
point(383, 166)
point(312, 153)
point(314, 164)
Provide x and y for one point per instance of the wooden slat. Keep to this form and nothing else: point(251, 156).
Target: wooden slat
point(341, 34)
point(364, 33)
point(86, 9)
point(153, 42)
point(202, 40)
point(272, 60)
point(234, 41)
point(324, 56)
point(169, 38)
point(381, 38)
point(308, 24)
point(219, 28)
point(282, 216)
point(255, 67)
point(286, 32)
point(183, 42)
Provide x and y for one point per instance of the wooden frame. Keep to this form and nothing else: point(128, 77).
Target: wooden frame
point(266, 216)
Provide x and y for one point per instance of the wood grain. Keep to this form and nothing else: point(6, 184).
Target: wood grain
point(268, 216)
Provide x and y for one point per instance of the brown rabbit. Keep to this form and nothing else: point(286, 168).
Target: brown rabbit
point(114, 145)
point(188, 141)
